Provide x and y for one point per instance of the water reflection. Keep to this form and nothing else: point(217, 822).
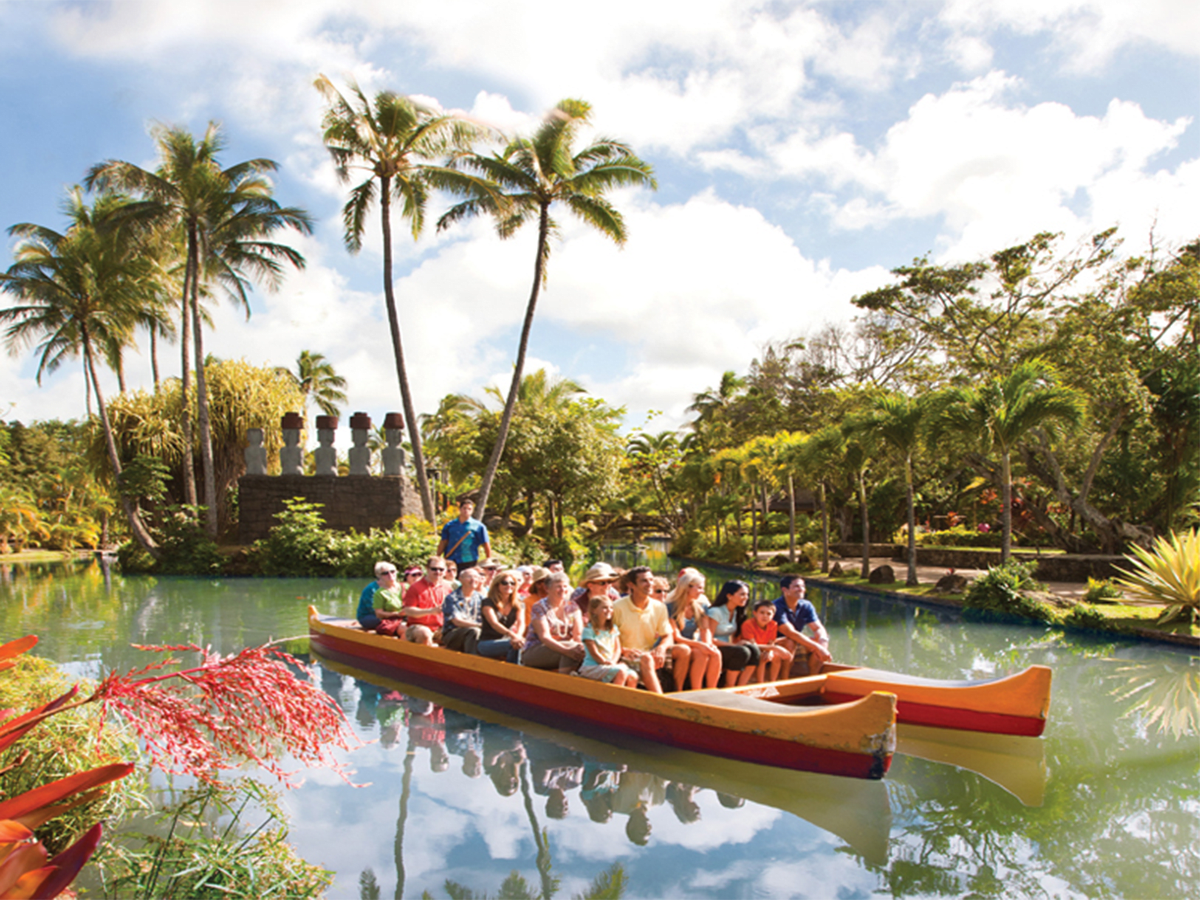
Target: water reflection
point(1104, 805)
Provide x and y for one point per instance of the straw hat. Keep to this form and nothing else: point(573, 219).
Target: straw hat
point(600, 571)
point(539, 574)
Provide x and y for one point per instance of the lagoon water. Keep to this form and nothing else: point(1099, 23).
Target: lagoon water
point(1105, 804)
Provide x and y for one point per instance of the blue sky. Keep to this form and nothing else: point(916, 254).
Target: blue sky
point(801, 150)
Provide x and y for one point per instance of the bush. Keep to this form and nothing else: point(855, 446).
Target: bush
point(515, 550)
point(300, 545)
point(962, 536)
point(186, 547)
point(1169, 576)
point(1102, 591)
point(1086, 618)
point(1002, 590)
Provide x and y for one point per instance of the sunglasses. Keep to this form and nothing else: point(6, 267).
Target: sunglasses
point(508, 584)
point(658, 591)
point(437, 569)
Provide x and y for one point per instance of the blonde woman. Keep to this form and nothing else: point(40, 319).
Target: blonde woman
point(686, 604)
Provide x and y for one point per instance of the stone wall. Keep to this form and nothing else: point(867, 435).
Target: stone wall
point(359, 502)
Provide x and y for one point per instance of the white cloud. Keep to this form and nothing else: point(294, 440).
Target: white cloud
point(1086, 32)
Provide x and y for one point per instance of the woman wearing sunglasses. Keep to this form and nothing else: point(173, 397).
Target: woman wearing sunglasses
point(503, 632)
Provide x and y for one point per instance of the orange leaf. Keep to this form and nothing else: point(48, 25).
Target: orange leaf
point(68, 863)
point(31, 801)
point(11, 832)
point(29, 885)
point(17, 647)
point(25, 859)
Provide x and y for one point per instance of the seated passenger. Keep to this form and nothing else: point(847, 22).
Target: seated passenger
point(719, 628)
point(385, 579)
point(793, 614)
point(503, 630)
point(760, 629)
point(420, 634)
point(423, 599)
point(597, 582)
point(603, 643)
point(686, 605)
point(646, 636)
point(555, 628)
point(460, 614)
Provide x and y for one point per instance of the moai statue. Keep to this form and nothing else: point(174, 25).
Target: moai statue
point(325, 456)
point(360, 454)
point(291, 457)
point(393, 453)
point(255, 453)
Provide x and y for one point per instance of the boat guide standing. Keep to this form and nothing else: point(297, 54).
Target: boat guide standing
point(464, 537)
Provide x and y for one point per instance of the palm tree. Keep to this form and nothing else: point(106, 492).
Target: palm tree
point(1002, 412)
point(395, 140)
point(533, 174)
point(821, 456)
point(225, 217)
point(318, 381)
point(898, 421)
point(77, 293)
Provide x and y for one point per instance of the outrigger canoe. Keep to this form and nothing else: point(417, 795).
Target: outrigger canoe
point(1014, 705)
point(854, 739)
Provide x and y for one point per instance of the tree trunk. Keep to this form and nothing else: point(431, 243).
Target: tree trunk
point(866, 524)
point(912, 524)
point(185, 406)
point(206, 449)
point(410, 414)
point(1005, 506)
point(154, 355)
point(824, 529)
point(510, 403)
point(136, 526)
point(791, 519)
point(753, 523)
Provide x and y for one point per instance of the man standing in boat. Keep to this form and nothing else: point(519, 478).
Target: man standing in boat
point(645, 627)
point(464, 537)
point(793, 614)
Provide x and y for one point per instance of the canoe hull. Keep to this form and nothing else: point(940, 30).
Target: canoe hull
point(854, 740)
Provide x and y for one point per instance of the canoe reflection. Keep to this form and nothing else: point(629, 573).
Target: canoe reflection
point(616, 777)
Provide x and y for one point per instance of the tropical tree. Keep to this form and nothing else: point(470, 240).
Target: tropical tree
point(318, 382)
point(898, 421)
point(533, 174)
point(1002, 412)
point(225, 217)
point(77, 292)
point(396, 141)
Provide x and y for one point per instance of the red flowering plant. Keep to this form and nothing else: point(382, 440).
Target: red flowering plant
point(226, 711)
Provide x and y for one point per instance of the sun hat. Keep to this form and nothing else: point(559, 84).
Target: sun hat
point(539, 573)
point(600, 571)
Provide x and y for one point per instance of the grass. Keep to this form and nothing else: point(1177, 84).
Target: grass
point(41, 556)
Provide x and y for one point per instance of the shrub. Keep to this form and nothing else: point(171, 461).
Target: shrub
point(1002, 589)
point(962, 536)
point(300, 545)
point(186, 547)
point(1102, 591)
point(1169, 576)
point(1084, 617)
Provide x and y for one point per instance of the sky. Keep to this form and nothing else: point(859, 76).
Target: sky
point(801, 150)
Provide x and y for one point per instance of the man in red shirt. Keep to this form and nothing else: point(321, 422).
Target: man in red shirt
point(423, 599)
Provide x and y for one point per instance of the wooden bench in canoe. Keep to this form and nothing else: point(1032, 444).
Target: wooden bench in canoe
point(1015, 704)
point(854, 739)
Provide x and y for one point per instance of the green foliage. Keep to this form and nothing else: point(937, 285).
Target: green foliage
point(145, 478)
point(1003, 589)
point(300, 545)
point(62, 745)
point(961, 536)
point(1102, 590)
point(1086, 618)
point(519, 549)
point(209, 852)
point(186, 547)
point(1170, 575)
point(134, 560)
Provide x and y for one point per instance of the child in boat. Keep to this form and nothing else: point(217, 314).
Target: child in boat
point(603, 643)
point(762, 630)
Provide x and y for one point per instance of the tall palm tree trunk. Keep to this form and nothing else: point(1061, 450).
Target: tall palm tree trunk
point(791, 518)
point(1005, 506)
point(185, 405)
point(140, 534)
point(206, 450)
point(154, 355)
point(824, 530)
point(410, 414)
point(866, 525)
point(510, 404)
point(912, 524)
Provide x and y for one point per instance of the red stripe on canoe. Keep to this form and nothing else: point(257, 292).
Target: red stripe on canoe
point(910, 713)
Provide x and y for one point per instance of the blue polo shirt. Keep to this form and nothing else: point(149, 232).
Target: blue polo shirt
point(468, 550)
point(804, 614)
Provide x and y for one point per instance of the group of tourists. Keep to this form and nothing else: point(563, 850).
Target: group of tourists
point(625, 628)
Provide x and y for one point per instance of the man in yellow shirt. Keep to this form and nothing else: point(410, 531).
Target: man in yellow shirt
point(645, 628)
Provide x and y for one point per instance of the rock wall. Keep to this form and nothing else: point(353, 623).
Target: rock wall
point(356, 502)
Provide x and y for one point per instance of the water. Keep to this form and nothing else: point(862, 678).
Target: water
point(1104, 805)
